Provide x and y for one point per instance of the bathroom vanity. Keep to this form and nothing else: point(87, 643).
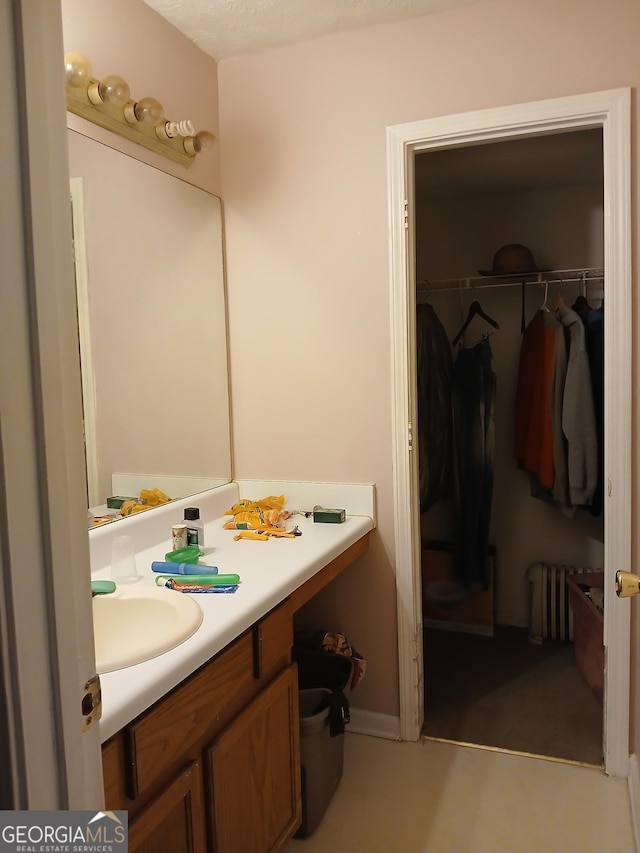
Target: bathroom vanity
point(201, 744)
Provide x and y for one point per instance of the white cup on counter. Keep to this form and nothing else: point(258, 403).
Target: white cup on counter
point(123, 560)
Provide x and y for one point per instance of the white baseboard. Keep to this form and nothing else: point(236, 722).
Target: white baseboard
point(375, 725)
point(634, 797)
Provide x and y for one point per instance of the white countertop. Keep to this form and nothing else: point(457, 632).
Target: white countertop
point(269, 572)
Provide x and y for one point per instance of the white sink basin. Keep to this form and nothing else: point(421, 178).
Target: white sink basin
point(139, 622)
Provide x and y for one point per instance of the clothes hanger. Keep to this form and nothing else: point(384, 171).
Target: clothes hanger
point(474, 309)
point(559, 302)
point(544, 306)
point(581, 305)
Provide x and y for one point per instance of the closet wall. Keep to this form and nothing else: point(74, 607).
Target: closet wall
point(456, 236)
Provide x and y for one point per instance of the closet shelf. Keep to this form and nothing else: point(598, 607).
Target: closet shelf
point(573, 276)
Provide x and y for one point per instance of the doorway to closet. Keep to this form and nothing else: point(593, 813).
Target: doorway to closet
point(609, 111)
point(492, 676)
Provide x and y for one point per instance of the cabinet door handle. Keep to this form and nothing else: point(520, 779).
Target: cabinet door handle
point(257, 651)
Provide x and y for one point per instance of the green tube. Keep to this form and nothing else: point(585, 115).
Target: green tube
point(200, 580)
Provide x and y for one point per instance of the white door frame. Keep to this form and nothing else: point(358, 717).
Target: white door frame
point(609, 110)
point(50, 760)
point(89, 403)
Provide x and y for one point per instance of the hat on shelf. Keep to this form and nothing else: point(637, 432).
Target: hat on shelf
point(512, 259)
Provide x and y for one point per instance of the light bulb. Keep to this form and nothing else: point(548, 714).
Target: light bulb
point(77, 70)
point(149, 111)
point(113, 90)
point(179, 128)
point(203, 141)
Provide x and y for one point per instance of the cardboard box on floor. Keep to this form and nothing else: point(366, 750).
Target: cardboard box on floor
point(475, 613)
point(588, 625)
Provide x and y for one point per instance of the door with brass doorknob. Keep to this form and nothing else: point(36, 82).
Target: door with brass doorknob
point(627, 584)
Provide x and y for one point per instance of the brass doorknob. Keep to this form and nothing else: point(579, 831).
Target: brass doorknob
point(627, 584)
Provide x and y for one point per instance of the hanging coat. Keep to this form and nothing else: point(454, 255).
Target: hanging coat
point(434, 365)
point(534, 440)
point(578, 415)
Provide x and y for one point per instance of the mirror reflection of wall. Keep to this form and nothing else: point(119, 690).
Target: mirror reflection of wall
point(156, 323)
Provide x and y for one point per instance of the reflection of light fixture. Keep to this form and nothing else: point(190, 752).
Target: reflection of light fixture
point(108, 103)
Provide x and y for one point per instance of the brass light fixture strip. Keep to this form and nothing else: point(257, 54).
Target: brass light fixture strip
point(112, 118)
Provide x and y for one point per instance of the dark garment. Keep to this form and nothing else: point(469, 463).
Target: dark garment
point(473, 390)
point(594, 327)
point(433, 368)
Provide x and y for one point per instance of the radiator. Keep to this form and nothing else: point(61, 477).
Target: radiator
point(550, 614)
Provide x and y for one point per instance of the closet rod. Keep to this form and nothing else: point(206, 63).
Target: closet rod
point(587, 276)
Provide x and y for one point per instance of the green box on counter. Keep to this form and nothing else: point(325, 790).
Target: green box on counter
point(116, 501)
point(325, 515)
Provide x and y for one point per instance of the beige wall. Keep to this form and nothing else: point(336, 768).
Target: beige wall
point(128, 38)
point(303, 160)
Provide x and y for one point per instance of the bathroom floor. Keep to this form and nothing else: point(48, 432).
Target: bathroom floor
point(507, 692)
point(436, 797)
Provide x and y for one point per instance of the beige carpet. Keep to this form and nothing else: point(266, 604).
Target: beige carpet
point(506, 692)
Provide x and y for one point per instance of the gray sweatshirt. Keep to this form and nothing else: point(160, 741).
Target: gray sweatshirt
point(578, 415)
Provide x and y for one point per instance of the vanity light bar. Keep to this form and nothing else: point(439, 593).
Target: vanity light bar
point(108, 103)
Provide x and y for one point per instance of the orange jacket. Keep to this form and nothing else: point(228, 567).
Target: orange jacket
point(534, 426)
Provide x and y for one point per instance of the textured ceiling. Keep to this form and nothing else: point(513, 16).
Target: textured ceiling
point(226, 28)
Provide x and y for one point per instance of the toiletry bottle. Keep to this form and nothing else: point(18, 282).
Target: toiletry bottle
point(178, 537)
point(195, 530)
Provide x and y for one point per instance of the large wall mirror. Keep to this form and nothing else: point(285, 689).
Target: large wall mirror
point(152, 321)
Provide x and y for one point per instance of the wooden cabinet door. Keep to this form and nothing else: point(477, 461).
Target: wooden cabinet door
point(174, 820)
point(112, 774)
point(253, 796)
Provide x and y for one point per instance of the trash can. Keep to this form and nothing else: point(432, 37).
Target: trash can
point(323, 669)
point(321, 757)
point(325, 679)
